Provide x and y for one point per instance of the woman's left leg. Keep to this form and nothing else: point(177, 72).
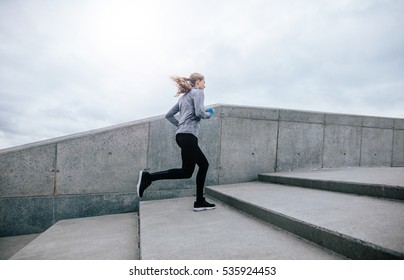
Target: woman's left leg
point(203, 166)
point(201, 204)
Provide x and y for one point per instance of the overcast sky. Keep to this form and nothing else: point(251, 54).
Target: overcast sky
point(77, 65)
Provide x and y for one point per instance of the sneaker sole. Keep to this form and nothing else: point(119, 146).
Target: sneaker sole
point(203, 209)
point(138, 183)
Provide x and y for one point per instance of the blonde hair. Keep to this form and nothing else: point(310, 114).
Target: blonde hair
point(184, 85)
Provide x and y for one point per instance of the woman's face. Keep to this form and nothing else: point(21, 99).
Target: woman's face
point(200, 84)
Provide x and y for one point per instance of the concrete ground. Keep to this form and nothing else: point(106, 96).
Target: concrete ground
point(111, 237)
point(169, 229)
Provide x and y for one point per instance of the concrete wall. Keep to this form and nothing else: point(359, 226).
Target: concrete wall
point(95, 173)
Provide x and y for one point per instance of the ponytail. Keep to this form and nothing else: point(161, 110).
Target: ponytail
point(184, 85)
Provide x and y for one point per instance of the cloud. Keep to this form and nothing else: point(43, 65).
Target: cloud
point(72, 66)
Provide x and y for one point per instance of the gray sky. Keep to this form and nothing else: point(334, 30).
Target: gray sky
point(73, 66)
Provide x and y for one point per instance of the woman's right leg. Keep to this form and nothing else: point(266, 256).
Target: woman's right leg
point(189, 147)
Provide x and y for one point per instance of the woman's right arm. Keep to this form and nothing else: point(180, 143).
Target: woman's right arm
point(199, 100)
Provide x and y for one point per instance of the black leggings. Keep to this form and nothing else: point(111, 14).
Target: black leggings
point(191, 155)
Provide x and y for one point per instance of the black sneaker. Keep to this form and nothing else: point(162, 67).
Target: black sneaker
point(143, 183)
point(203, 205)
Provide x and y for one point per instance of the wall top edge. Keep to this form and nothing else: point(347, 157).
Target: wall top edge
point(302, 111)
point(244, 111)
point(293, 115)
point(79, 134)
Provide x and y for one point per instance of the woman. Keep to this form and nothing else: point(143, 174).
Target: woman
point(191, 108)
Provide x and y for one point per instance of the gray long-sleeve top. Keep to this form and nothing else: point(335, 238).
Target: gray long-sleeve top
point(192, 110)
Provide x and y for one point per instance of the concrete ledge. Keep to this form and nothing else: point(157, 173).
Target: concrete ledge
point(348, 120)
point(361, 181)
point(399, 123)
point(246, 112)
point(74, 136)
point(378, 122)
point(301, 116)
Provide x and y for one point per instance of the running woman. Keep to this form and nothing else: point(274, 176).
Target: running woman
point(191, 107)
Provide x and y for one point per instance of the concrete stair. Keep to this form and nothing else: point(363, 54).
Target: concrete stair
point(170, 230)
point(261, 220)
point(376, 182)
point(353, 213)
point(109, 237)
point(340, 219)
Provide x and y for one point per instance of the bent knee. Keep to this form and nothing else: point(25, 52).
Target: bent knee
point(188, 173)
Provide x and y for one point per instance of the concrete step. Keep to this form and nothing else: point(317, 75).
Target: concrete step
point(357, 227)
point(171, 230)
point(10, 245)
point(384, 182)
point(110, 237)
